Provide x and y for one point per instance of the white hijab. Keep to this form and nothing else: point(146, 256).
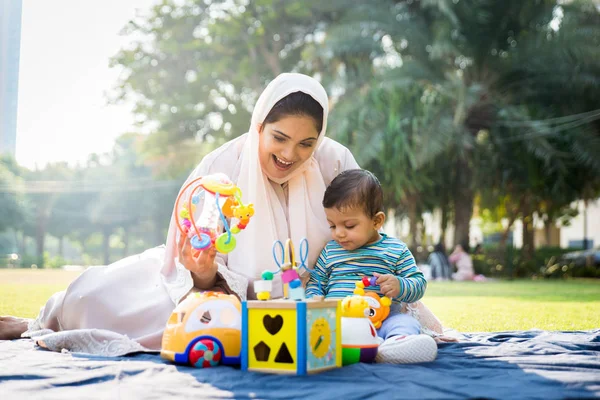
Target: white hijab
point(306, 187)
point(253, 253)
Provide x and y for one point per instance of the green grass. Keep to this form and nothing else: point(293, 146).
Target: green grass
point(516, 305)
point(464, 306)
point(24, 291)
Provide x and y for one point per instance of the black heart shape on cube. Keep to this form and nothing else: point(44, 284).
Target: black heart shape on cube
point(273, 324)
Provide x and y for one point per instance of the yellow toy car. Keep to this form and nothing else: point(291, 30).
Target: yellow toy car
point(204, 330)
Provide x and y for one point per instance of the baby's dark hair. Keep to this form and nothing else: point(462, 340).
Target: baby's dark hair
point(298, 104)
point(355, 188)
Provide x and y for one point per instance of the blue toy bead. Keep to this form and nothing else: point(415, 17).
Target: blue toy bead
point(295, 283)
point(200, 243)
point(195, 199)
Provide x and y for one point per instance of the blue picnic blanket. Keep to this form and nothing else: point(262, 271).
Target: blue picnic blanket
point(503, 365)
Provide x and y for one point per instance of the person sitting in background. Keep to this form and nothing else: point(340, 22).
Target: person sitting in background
point(440, 266)
point(463, 263)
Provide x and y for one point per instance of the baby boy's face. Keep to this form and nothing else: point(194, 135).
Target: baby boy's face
point(351, 228)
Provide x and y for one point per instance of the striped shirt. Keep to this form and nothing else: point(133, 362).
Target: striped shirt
point(337, 269)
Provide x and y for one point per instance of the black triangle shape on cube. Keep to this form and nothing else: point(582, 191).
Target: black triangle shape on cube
point(284, 356)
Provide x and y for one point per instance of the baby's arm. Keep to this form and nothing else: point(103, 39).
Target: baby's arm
point(412, 281)
point(318, 276)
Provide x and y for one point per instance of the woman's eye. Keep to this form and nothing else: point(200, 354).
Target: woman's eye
point(332, 227)
point(350, 227)
point(279, 139)
point(306, 145)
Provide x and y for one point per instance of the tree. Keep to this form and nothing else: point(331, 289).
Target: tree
point(468, 54)
point(11, 201)
point(437, 97)
point(197, 71)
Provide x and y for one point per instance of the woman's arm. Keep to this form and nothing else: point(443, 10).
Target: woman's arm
point(208, 269)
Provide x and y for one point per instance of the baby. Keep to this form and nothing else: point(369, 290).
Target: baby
point(354, 207)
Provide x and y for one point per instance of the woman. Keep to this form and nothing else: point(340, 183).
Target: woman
point(282, 165)
point(463, 263)
point(440, 267)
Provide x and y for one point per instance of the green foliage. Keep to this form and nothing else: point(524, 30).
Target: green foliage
point(438, 98)
point(55, 262)
point(450, 103)
point(545, 263)
point(197, 67)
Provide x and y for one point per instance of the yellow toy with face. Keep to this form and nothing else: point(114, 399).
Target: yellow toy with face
point(355, 307)
point(243, 212)
point(379, 307)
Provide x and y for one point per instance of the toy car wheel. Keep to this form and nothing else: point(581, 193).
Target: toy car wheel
point(205, 353)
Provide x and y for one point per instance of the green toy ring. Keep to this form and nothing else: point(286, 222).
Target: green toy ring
point(221, 243)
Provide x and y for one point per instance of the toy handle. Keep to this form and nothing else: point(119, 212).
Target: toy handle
point(289, 258)
point(176, 210)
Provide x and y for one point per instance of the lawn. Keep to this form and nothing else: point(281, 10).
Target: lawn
point(516, 305)
point(467, 307)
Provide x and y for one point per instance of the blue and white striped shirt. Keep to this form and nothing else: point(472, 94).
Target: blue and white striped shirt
point(337, 269)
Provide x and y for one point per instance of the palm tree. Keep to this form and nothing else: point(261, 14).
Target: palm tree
point(466, 56)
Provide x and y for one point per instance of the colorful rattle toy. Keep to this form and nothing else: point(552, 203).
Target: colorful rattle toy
point(288, 267)
point(222, 200)
point(379, 307)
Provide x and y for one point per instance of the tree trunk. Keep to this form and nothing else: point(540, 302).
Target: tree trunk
point(444, 224)
point(463, 201)
point(422, 229)
point(528, 233)
point(24, 243)
point(83, 242)
point(585, 226)
point(61, 246)
point(548, 231)
point(412, 220)
point(40, 236)
point(506, 232)
point(106, 244)
point(126, 240)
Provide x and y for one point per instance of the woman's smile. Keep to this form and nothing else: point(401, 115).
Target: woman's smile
point(282, 164)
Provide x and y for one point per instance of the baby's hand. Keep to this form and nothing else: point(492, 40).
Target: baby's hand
point(388, 284)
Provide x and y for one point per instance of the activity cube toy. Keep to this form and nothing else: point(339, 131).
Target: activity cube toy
point(291, 337)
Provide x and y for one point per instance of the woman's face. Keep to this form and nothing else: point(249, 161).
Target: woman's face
point(284, 145)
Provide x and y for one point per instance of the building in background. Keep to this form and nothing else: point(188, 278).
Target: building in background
point(10, 46)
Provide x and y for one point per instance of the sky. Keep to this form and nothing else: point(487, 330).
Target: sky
point(64, 75)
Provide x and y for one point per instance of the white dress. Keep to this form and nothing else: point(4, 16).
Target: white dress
point(123, 307)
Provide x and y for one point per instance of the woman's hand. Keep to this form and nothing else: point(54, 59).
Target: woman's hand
point(201, 263)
